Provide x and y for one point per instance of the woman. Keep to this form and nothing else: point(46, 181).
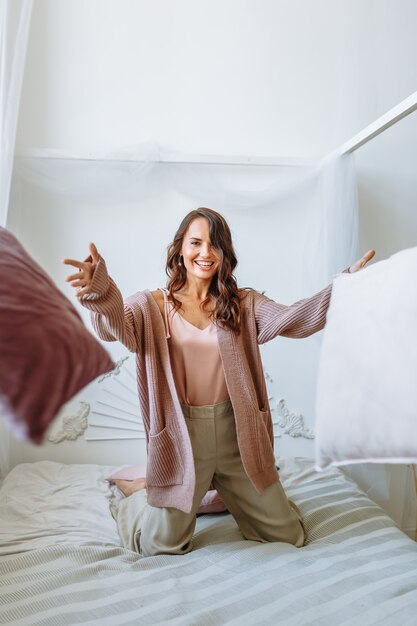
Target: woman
point(201, 388)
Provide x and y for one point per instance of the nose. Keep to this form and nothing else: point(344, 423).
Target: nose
point(205, 249)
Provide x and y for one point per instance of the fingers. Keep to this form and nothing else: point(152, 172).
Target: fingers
point(82, 292)
point(362, 262)
point(369, 255)
point(95, 257)
point(74, 263)
point(366, 257)
point(94, 252)
point(75, 277)
point(81, 281)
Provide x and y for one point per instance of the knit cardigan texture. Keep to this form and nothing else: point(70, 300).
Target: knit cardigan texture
point(138, 323)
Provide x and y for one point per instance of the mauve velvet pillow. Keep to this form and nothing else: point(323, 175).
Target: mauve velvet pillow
point(47, 354)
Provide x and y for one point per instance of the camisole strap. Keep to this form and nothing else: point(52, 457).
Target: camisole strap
point(166, 310)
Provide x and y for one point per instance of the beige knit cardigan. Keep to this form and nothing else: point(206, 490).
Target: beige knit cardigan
point(138, 323)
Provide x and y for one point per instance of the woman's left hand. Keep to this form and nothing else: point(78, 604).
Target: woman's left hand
point(362, 262)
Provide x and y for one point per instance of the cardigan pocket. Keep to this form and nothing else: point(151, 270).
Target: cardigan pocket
point(266, 454)
point(164, 466)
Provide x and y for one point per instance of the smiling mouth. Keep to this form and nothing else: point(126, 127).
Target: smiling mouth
point(204, 265)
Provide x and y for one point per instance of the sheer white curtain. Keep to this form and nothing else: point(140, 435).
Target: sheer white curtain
point(324, 195)
point(334, 242)
point(14, 31)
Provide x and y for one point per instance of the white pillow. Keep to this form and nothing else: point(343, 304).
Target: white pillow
point(46, 503)
point(366, 407)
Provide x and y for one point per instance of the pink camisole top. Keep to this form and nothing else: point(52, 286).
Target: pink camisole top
point(195, 359)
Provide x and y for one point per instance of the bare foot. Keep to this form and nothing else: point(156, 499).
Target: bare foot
point(127, 487)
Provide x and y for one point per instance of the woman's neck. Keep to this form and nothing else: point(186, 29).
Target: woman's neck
point(198, 291)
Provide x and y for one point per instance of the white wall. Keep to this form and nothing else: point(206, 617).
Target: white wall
point(206, 76)
point(242, 77)
point(269, 77)
point(293, 78)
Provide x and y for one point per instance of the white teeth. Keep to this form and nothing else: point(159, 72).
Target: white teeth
point(204, 264)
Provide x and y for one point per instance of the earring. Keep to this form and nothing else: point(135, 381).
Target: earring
point(180, 260)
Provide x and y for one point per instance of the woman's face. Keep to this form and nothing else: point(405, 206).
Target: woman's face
point(199, 257)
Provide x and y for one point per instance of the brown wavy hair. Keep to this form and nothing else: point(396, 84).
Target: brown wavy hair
point(223, 285)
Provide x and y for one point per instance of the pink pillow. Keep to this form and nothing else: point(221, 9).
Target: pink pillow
point(47, 354)
point(211, 503)
point(128, 473)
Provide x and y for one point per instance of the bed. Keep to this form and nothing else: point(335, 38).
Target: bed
point(61, 560)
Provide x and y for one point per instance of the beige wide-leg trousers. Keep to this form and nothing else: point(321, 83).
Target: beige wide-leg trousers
point(267, 517)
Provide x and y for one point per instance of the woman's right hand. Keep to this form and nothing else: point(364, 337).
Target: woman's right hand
point(83, 279)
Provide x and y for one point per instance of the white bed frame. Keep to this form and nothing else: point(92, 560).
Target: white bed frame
point(114, 414)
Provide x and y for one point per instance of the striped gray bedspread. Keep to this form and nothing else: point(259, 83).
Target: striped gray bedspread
point(356, 568)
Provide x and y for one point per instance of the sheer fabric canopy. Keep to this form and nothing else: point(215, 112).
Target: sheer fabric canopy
point(328, 191)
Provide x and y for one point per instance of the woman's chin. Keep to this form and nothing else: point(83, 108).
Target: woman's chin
point(201, 274)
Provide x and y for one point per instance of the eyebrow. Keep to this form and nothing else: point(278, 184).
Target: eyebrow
point(196, 238)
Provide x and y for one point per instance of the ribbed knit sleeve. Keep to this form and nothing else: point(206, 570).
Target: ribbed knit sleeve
point(301, 319)
point(112, 319)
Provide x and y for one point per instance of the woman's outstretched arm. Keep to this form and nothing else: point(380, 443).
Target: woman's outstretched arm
point(112, 319)
point(301, 319)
